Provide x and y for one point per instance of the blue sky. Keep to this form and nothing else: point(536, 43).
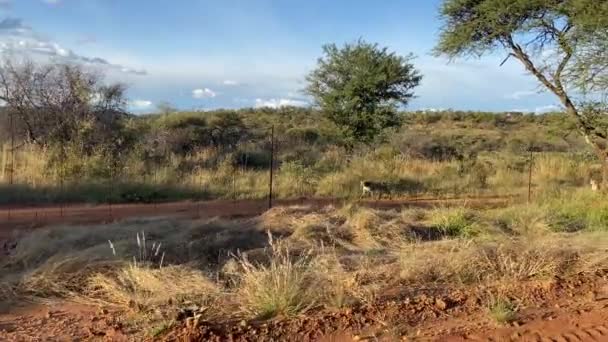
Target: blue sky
point(208, 54)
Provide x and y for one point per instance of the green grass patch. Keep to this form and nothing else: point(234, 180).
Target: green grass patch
point(502, 310)
point(454, 222)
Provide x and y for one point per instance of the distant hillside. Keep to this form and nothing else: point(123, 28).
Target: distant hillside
point(436, 135)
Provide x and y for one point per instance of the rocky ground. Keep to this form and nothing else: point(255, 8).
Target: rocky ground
point(553, 310)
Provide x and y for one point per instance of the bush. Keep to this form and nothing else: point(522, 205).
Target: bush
point(307, 135)
point(502, 310)
point(252, 159)
point(282, 287)
point(454, 222)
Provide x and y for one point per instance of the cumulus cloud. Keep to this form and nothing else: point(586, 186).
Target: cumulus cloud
point(16, 37)
point(547, 109)
point(140, 104)
point(231, 83)
point(203, 93)
point(540, 109)
point(277, 103)
point(518, 95)
point(432, 110)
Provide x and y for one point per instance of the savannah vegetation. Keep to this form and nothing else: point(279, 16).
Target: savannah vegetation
point(560, 43)
point(295, 260)
point(73, 141)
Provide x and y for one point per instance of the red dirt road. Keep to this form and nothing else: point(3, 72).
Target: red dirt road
point(553, 310)
point(32, 217)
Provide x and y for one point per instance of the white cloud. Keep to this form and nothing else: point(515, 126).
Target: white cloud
point(518, 95)
point(540, 109)
point(432, 110)
point(231, 83)
point(547, 109)
point(140, 104)
point(18, 38)
point(521, 110)
point(203, 93)
point(52, 2)
point(277, 103)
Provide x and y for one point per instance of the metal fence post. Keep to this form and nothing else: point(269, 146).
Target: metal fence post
point(530, 178)
point(12, 169)
point(61, 179)
point(234, 186)
point(271, 167)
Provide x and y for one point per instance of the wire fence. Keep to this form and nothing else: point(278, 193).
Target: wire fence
point(274, 165)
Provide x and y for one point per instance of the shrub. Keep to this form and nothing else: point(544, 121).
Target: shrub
point(252, 159)
point(284, 286)
point(454, 222)
point(307, 135)
point(502, 310)
point(146, 287)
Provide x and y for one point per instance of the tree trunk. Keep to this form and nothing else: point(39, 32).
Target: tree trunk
point(599, 147)
point(601, 151)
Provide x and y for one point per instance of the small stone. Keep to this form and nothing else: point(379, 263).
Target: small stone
point(440, 304)
point(243, 323)
point(103, 311)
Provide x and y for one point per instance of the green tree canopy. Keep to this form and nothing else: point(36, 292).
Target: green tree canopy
point(360, 86)
point(563, 43)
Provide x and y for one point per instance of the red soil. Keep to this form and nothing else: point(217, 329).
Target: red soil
point(18, 217)
point(555, 310)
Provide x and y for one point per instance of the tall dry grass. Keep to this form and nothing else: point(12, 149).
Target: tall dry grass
point(284, 286)
point(329, 258)
point(146, 287)
point(210, 173)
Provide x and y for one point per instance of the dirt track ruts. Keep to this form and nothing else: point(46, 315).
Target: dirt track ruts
point(15, 217)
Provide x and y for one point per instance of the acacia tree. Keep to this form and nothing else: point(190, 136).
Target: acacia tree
point(60, 103)
point(359, 87)
point(562, 43)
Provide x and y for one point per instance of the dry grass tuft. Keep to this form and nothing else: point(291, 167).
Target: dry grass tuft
point(502, 310)
point(145, 287)
point(363, 224)
point(515, 260)
point(503, 259)
point(454, 222)
point(331, 258)
point(59, 277)
point(442, 261)
point(284, 286)
point(522, 220)
point(341, 285)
